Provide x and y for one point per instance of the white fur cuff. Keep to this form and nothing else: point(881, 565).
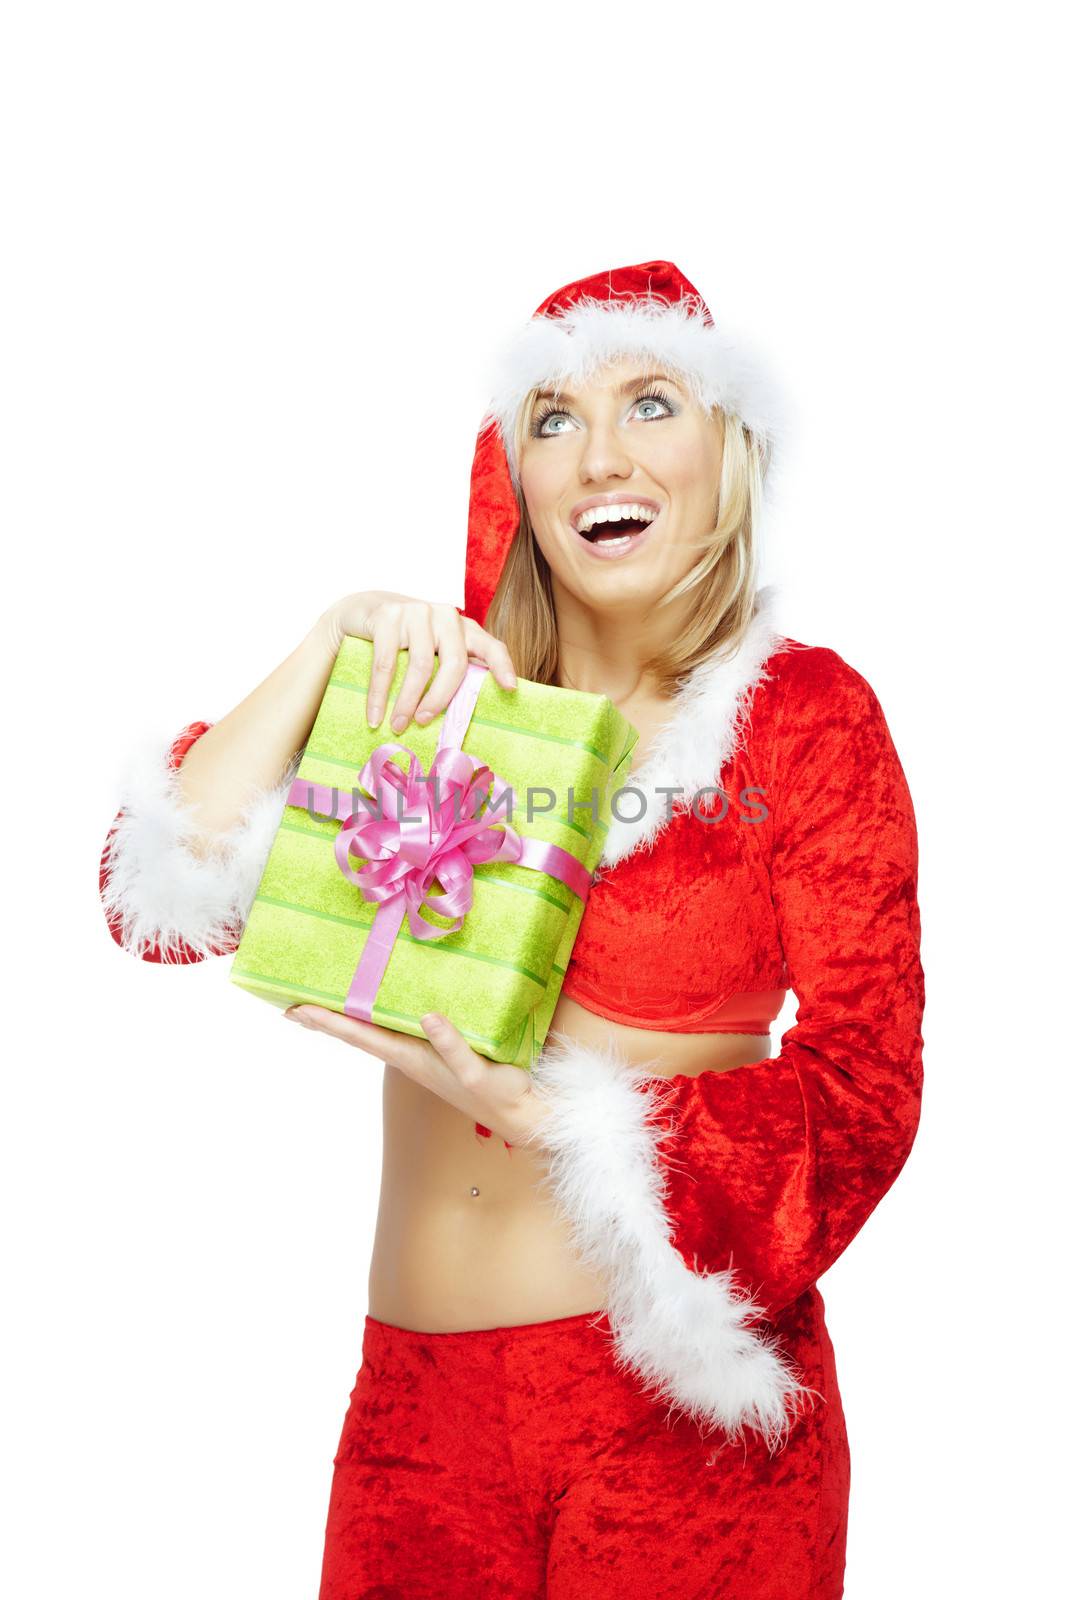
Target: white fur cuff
point(687, 1334)
point(160, 891)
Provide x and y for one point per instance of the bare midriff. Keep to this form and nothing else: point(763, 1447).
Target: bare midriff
point(467, 1234)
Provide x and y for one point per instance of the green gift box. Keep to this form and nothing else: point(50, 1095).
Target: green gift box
point(498, 972)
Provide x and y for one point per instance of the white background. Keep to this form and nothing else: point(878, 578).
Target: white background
point(258, 259)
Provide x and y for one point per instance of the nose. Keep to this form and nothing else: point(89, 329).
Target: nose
point(604, 455)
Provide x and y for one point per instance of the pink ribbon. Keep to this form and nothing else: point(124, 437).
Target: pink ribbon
point(425, 829)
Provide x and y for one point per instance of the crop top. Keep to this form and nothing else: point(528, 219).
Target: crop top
point(684, 938)
point(739, 1013)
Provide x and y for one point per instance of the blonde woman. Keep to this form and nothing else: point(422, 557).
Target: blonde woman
point(595, 1360)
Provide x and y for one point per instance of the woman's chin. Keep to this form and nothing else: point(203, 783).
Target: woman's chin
point(620, 587)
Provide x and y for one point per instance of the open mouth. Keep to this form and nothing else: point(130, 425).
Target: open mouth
point(615, 532)
point(614, 529)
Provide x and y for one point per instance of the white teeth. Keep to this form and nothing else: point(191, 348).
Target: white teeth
point(613, 513)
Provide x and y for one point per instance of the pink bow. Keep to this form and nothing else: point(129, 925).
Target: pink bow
point(428, 831)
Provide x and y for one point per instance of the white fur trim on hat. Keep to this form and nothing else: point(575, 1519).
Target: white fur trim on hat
point(702, 734)
point(687, 1334)
point(547, 350)
point(162, 892)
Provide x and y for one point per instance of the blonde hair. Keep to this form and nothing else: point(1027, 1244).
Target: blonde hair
point(722, 583)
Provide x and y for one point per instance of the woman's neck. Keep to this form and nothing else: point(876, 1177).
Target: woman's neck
point(603, 654)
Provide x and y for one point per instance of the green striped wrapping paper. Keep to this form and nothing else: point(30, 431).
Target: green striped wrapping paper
point(499, 976)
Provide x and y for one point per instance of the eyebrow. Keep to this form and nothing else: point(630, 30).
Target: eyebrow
point(620, 388)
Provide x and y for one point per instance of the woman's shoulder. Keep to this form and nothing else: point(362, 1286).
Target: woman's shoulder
point(820, 715)
point(813, 703)
point(783, 680)
point(813, 681)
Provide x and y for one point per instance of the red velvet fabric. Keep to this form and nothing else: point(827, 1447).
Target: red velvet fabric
point(670, 934)
point(773, 1168)
point(524, 1463)
point(741, 1013)
point(657, 280)
point(492, 522)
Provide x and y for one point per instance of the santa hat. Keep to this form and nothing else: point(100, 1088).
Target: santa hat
point(646, 311)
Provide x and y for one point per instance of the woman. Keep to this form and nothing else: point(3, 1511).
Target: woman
point(590, 1280)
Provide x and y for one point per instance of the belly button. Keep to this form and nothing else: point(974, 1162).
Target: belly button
point(475, 1189)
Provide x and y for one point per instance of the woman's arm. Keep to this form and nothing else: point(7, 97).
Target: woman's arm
point(182, 862)
point(711, 1200)
point(248, 751)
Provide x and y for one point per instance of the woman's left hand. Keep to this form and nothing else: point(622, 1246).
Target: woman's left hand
point(496, 1095)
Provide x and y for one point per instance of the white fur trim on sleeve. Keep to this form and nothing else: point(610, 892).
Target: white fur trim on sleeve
point(164, 894)
point(687, 1334)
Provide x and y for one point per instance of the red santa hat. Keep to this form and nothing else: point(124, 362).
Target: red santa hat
point(649, 311)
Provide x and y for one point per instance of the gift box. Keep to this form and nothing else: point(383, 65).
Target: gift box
point(445, 869)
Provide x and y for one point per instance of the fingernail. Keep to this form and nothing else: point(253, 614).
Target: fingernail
point(398, 722)
point(374, 716)
point(423, 716)
point(297, 1015)
point(432, 1019)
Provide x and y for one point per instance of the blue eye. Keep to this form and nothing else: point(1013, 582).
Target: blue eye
point(539, 428)
point(658, 398)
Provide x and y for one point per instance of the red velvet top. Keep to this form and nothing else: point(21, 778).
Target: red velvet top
point(684, 938)
point(776, 1165)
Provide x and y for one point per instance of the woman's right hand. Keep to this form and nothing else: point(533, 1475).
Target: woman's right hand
point(394, 622)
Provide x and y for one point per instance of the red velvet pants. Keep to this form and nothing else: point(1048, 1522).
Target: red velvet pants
point(520, 1462)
